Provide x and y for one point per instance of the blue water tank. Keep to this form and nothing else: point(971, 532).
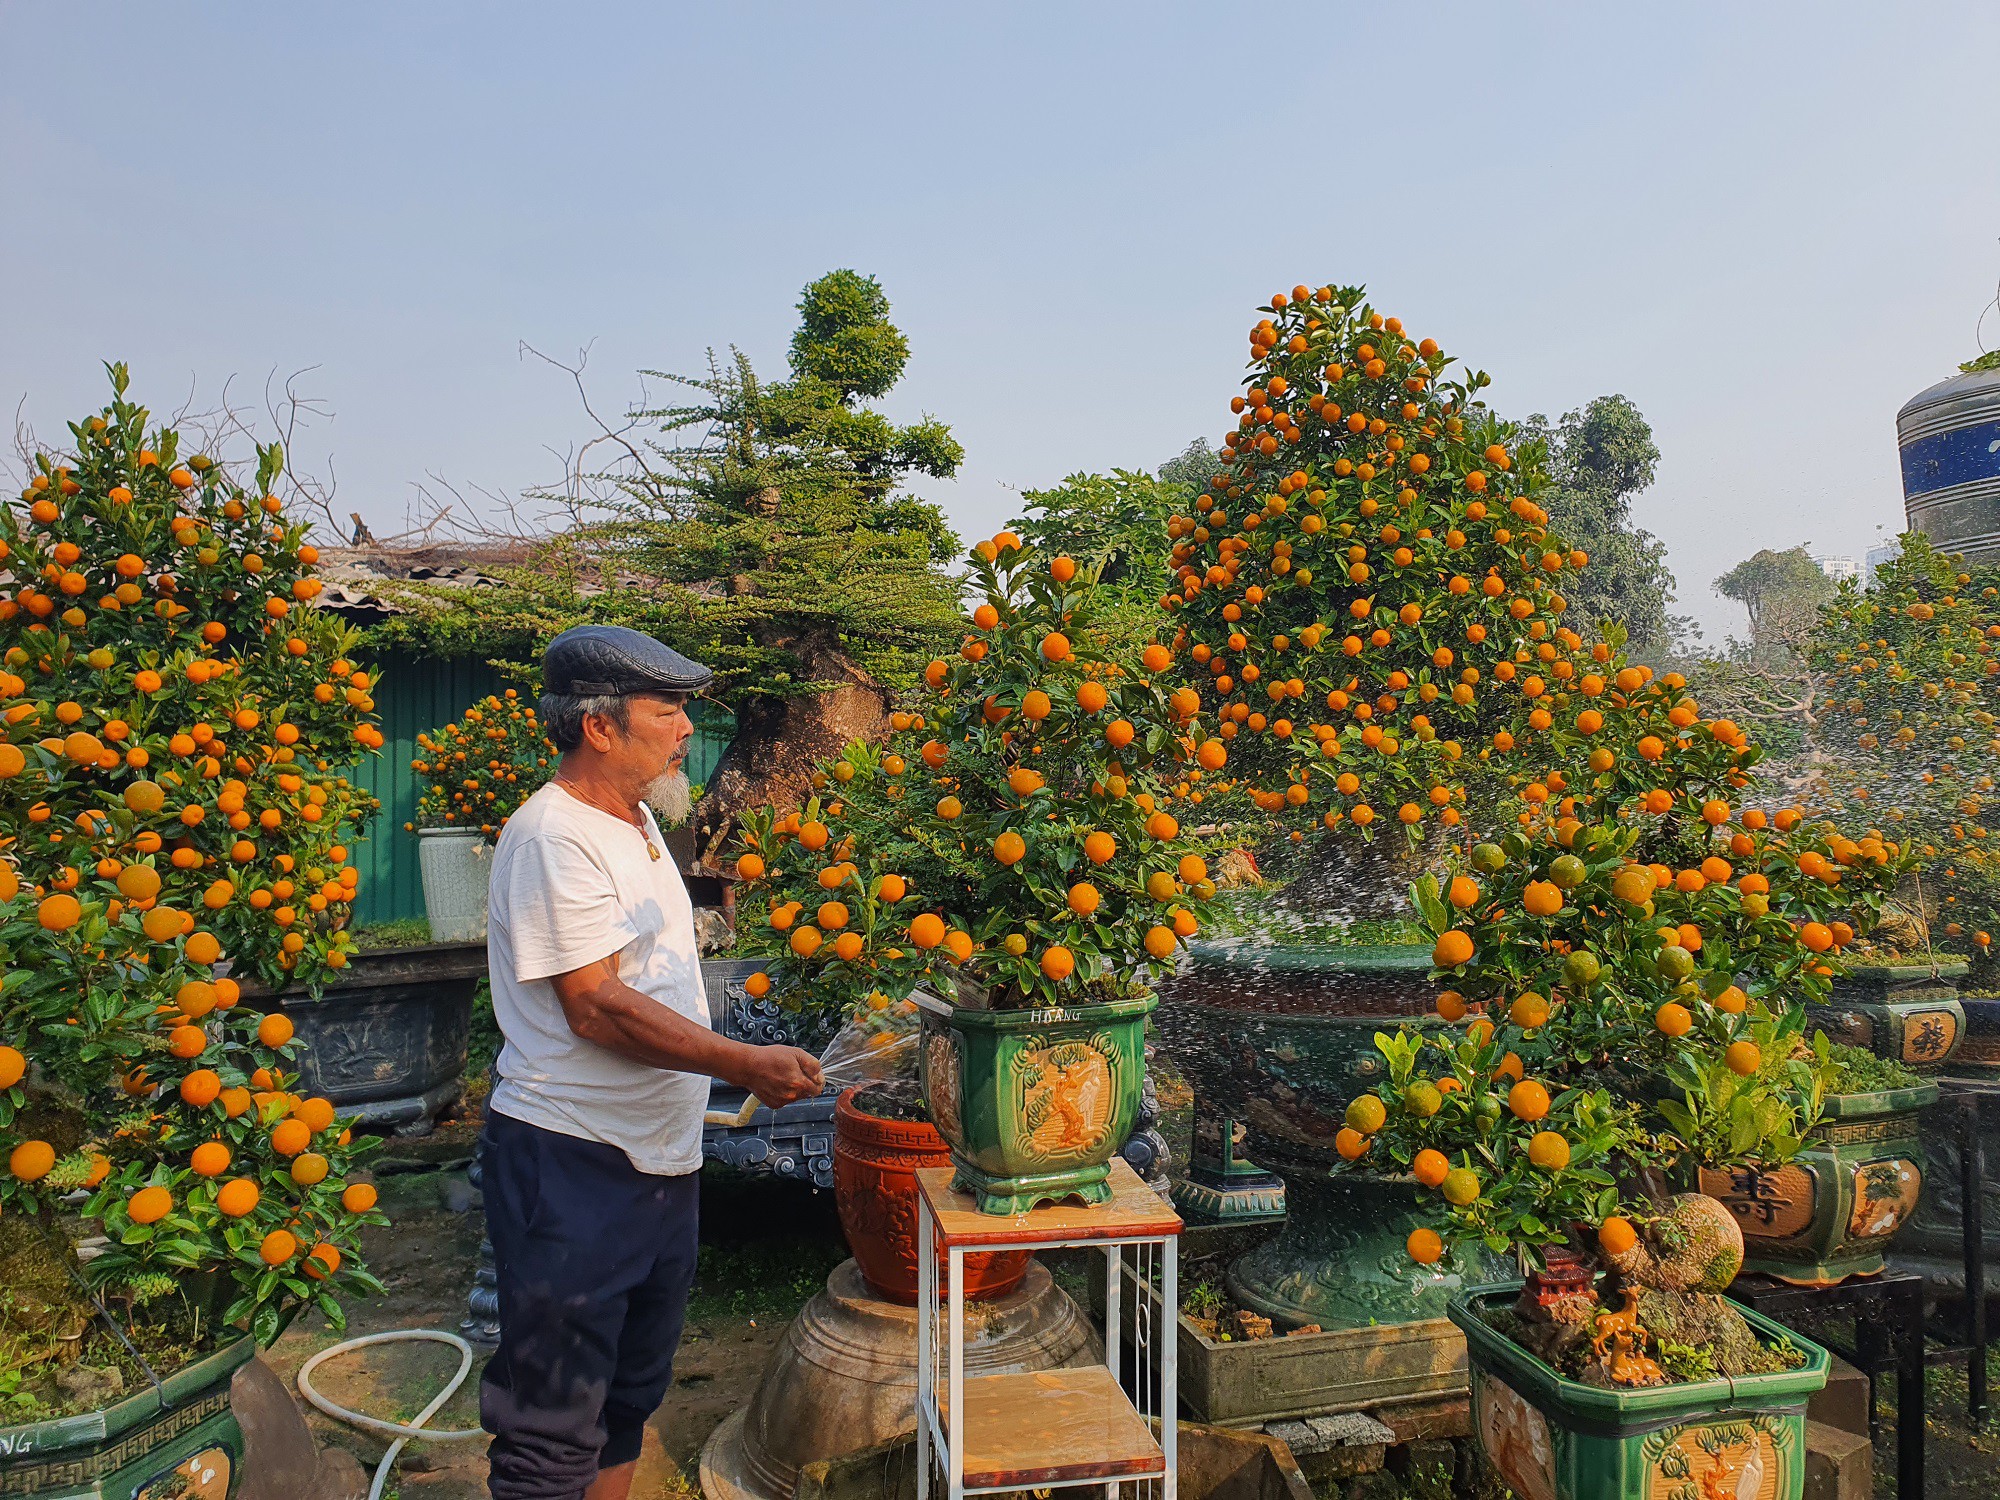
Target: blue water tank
point(1950, 441)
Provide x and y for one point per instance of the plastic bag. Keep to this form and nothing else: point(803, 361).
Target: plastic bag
point(875, 1044)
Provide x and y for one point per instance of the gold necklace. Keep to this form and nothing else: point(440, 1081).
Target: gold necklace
point(652, 849)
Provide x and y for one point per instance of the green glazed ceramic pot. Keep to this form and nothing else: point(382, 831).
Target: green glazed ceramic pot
point(1908, 1012)
point(1033, 1103)
point(1558, 1439)
point(1832, 1210)
point(178, 1441)
point(1281, 1038)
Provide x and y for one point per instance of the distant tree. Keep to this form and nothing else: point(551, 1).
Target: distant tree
point(1906, 734)
point(1782, 592)
point(1192, 467)
point(1597, 461)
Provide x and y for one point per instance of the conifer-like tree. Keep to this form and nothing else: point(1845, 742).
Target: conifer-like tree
point(763, 528)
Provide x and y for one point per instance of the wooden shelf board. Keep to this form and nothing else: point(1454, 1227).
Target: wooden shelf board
point(1046, 1427)
point(1134, 1212)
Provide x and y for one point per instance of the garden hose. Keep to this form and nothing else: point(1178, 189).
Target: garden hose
point(401, 1432)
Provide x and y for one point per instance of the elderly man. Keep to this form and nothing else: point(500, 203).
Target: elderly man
point(593, 1133)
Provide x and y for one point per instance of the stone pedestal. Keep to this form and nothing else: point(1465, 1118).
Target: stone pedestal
point(845, 1377)
point(1340, 1260)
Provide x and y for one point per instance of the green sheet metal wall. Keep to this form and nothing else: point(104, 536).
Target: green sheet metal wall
point(417, 694)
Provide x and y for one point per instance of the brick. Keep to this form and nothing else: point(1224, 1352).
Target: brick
point(1430, 1418)
point(1839, 1465)
point(1844, 1401)
point(1334, 1447)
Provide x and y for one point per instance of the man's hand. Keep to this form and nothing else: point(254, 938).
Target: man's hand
point(781, 1075)
point(601, 1008)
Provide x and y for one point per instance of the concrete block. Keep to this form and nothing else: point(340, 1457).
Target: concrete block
point(1839, 1465)
point(1335, 1447)
point(1844, 1401)
point(1430, 1463)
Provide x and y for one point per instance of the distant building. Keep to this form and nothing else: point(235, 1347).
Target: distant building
point(1839, 569)
point(1877, 556)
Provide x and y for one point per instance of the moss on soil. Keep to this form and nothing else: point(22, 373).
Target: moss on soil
point(404, 932)
point(1859, 1071)
point(1702, 1335)
point(896, 1099)
point(54, 1348)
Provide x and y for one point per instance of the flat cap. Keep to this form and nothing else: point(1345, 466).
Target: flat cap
point(607, 661)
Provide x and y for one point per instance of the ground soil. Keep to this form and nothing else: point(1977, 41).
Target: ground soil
point(749, 1286)
point(1959, 1462)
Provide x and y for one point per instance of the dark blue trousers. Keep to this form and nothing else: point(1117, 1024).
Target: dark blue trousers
point(595, 1261)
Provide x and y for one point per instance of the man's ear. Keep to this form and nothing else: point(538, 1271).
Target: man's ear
point(597, 730)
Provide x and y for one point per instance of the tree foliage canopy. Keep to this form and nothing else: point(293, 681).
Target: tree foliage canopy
point(1782, 592)
point(760, 528)
point(1116, 524)
point(1597, 461)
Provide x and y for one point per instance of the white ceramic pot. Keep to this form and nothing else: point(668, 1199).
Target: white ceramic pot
point(457, 863)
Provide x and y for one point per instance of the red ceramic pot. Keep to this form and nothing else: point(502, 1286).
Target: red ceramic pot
point(875, 1162)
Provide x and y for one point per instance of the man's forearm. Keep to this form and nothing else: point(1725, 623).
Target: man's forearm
point(621, 1020)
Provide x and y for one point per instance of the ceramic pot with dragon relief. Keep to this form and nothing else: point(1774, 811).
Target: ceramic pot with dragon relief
point(1033, 1104)
point(875, 1161)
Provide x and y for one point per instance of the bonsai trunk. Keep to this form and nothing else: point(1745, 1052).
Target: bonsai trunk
point(779, 741)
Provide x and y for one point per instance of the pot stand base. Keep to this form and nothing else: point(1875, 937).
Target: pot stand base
point(1018, 1194)
point(1817, 1273)
point(844, 1377)
point(413, 1116)
point(1211, 1198)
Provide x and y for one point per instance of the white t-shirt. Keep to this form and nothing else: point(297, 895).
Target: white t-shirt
point(570, 885)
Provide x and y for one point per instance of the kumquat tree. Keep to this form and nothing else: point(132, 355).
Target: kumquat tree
point(1909, 670)
point(1367, 571)
point(481, 769)
point(1014, 834)
point(1628, 966)
point(175, 720)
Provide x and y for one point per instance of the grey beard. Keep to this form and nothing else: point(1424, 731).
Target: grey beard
point(671, 798)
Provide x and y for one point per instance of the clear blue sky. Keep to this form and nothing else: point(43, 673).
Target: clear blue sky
point(1768, 225)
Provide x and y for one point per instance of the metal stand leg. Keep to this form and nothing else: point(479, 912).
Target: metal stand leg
point(954, 1333)
point(1909, 1341)
point(926, 1360)
point(1870, 1348)
point(1114, 1316)
point(1972, 1196)
point(1170, 1386)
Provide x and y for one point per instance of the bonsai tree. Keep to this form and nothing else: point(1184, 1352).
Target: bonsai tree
point(763, 529)
point(1353, 597)
point(1909, 674)
point(1014, 837)
point(1628, 965)
point(482, 768)
point(173, 814)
